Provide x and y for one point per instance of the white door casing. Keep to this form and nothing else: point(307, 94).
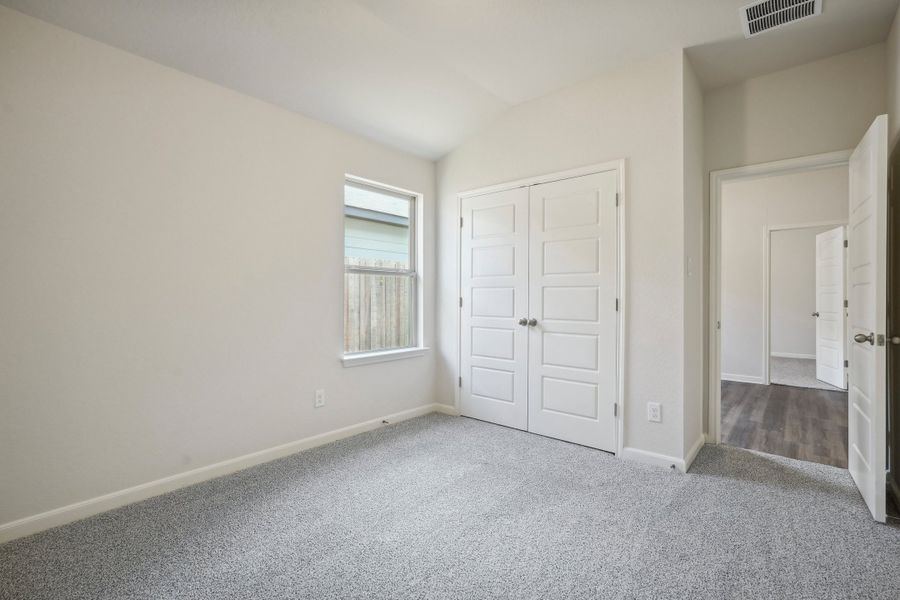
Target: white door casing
point(572, 300)
point(830, 286)
point(494, 291)
point(867, 316)
point(717, 179)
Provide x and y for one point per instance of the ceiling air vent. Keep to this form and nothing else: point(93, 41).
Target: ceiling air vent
point(771, 14)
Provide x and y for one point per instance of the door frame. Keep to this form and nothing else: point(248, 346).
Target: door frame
point(767, 286)
point(614, 165)
point(716, 180)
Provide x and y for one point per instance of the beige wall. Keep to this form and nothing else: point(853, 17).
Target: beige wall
point(636, 114)
point(818, 107)
point(171, 273)
point(694, 281)
point(749, 208)
point(792, 290)
point(893, 80)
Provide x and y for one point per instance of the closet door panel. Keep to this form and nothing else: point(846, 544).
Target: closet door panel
point(494, 287)
point(572, 299)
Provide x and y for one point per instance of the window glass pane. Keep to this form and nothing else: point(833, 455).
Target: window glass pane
point(377, 229)
point(378, 311)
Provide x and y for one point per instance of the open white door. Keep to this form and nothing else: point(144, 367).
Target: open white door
point(867, 315)
point(494, 286)
point(830, 335)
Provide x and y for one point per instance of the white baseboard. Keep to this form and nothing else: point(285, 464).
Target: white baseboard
point(742, 378)
point(86, 508)
point(652, 458)
point(793, 355)
point(694, 451)
point(661, 460)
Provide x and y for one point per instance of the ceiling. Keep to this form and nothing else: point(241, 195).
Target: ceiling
point(422, 75)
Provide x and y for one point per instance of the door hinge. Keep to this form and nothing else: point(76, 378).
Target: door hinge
point(460, 222)
point(846, 363)
point(460, 301)
point(845, 304)
point(615, 409)
point(617, 305)
point(846, 243)
point(460, 382)
point(617, 198)
point(718, 325)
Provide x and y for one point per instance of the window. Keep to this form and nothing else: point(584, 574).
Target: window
point(380, 270)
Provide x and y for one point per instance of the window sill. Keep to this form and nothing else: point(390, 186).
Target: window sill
point(368, 358)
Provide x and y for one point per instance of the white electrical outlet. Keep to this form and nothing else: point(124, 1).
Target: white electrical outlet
point(320, 399)
point(654, 412)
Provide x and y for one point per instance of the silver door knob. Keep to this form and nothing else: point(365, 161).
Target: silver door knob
point(523, 321)
point(532, 322)
point(859, 338)
point(895, 339)
point(815, 314)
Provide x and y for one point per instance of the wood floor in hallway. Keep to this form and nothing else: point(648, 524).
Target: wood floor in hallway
point(803, 423)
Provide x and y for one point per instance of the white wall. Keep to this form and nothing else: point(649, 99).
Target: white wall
point(792, 292)
point(171, 272)
point(818, 107)
point(749, 207)
point(636, 114)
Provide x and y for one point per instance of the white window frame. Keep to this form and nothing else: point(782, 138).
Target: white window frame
point(416, 262)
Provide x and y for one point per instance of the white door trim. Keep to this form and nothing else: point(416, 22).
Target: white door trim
point(716, 180)
point(619, 167)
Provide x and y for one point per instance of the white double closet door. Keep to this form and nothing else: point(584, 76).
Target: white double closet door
point(539, 311)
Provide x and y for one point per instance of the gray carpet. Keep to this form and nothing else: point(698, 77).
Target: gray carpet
point(798, 372)
point(443, 507)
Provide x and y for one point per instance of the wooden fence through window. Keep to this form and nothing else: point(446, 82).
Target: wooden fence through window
point(377, 307)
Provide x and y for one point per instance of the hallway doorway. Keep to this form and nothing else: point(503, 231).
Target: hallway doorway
point(782, 320)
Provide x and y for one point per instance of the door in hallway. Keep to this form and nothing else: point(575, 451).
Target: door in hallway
point(830, 286)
